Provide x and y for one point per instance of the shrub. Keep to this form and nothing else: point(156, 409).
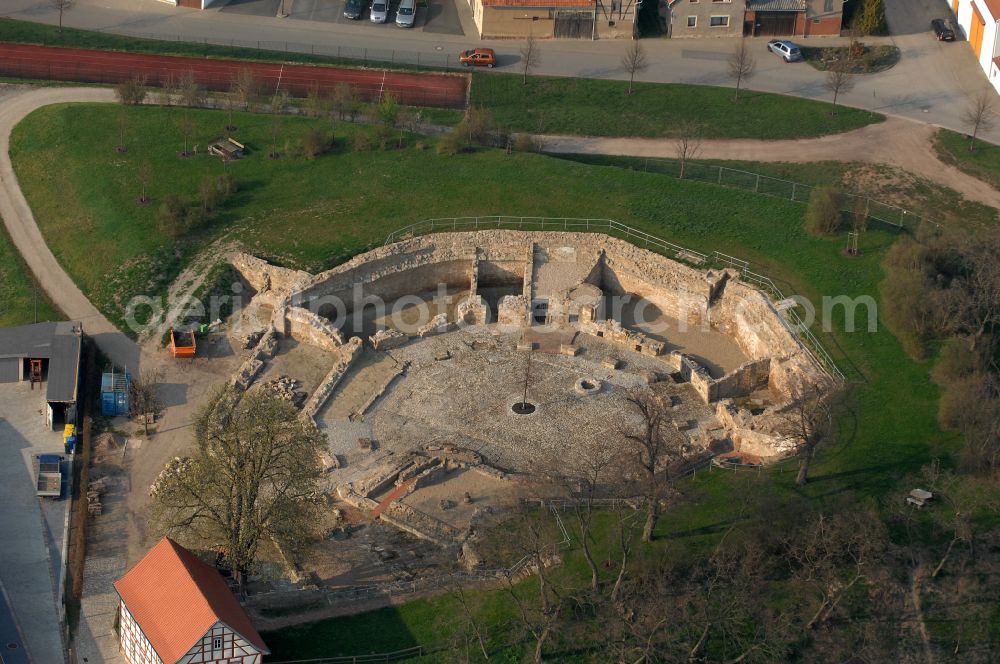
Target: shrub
point(525, 143)
point(170, 216)
point(872, 18)
point(209, 194)
point(362, 142)
point(381, 135)
point(315, 142)
point(449, 144)
point(133, 91)
point(823, 214)
point(476, 126)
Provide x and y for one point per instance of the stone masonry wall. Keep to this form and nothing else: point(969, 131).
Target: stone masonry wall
point(306, 327)
point(264, 277)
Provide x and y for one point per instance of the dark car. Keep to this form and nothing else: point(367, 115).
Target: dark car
point(354, 9)
point(943, 30)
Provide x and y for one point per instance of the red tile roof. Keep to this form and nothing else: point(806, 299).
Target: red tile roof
point(539, 4)
point(175, 598)
point(994, 7)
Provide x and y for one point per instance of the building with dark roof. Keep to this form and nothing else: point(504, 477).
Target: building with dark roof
point(175, 608)
point(55, 349)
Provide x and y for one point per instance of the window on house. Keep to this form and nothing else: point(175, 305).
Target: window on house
point(719, 21)
point(217, 643)
point(721, 1)
point(828, 5)
point(692, 21)
point(693, 1)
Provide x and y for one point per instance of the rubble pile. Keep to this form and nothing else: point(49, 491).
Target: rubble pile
point(285, 387)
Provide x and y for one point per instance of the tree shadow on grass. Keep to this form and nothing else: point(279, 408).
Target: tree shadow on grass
point(379, 631)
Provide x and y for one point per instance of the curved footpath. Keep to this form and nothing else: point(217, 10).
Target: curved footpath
point(897, 142)
point(15, 103)
point(906, 144)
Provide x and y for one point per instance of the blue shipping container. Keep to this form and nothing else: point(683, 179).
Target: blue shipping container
point(114, 393)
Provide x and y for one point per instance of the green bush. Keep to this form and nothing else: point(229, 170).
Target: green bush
point(362, 142)
point(823, 216)
point(871, 21)
point(170, 216)
point(315, 142)
point(525, 143)
point(132, 92)
point(449, 145)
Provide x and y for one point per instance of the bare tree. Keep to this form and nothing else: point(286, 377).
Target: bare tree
point(132, 92)
point(344, 100)
point(839, 78)
point(811, 423)
point(687, 143)
point(122, 123)
point(62, 6)
point(634, 62)
point(191, 94)
point(742, 65)
point(655, 445)
point(277, 130)
point(168, 85)
point(978, 115)
point(252, 476)
point(314, 104)
point(246, 89)
point(531, 57)
point(144, 399)
point(981, 284)
point(145, 175)
point(186, 126)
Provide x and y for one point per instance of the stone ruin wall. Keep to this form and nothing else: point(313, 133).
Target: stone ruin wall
point(499, 257)
point(263, 276)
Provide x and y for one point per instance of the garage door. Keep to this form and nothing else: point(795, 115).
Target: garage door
point(774, 24)
point(976, 31)
point(194, 4)
point(10, 369)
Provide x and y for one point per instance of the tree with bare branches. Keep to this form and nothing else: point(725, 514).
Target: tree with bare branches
point(344, 101)
point(634, 62)
point(810, 419)
point(62, 6)
point(191, 93)
point(655, 445)
point(687, 143)
point(253, 475)
point(246, 89)
point(978, 115)
point(186, 126)
point(742, 65)
point(144, 401)
point(839, 78)
point(531, 57)
point(145, 175)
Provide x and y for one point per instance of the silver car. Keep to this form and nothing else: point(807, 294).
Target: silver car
point(788, 51)
point(406, 13)
point(380, 11)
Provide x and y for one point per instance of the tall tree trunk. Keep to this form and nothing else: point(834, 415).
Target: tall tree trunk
point(944, 559)
point(652, 513)
point(803, 475)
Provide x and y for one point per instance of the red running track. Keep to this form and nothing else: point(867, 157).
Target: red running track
point(89, 66)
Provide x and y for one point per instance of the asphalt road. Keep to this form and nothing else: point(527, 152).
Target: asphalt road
point(931, 83)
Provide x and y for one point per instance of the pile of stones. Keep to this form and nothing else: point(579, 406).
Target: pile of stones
point(286, 387)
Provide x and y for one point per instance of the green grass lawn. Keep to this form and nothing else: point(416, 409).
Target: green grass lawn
point(20, 303)
point(983, 162)
point(602, 108)
point(313, 214)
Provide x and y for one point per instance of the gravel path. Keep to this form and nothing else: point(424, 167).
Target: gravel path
point(897, 142)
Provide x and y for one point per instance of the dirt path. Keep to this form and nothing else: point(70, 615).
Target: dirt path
point(897, 142)
point(15, 103)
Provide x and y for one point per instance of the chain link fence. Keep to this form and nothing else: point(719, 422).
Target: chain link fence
point(873, 209)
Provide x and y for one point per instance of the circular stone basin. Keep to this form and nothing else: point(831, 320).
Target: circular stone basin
point(587, 386)
point(523, 408)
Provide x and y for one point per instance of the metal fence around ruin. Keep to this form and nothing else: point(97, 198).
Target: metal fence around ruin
point(875, 210)
point(640, 238)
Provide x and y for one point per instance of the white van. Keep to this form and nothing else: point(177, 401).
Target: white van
point(406, 13)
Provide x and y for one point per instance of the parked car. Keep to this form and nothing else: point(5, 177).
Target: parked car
point(479, 57)
point(788, 51)
point(406, 13)
point(943, 30)
point(380, 11)
point(354, 9)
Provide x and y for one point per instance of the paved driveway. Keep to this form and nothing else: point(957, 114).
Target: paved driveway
point(31, 556)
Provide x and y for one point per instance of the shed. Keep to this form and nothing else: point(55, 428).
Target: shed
point(54, 347)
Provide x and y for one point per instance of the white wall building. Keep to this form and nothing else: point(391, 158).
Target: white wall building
point(979, 21)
